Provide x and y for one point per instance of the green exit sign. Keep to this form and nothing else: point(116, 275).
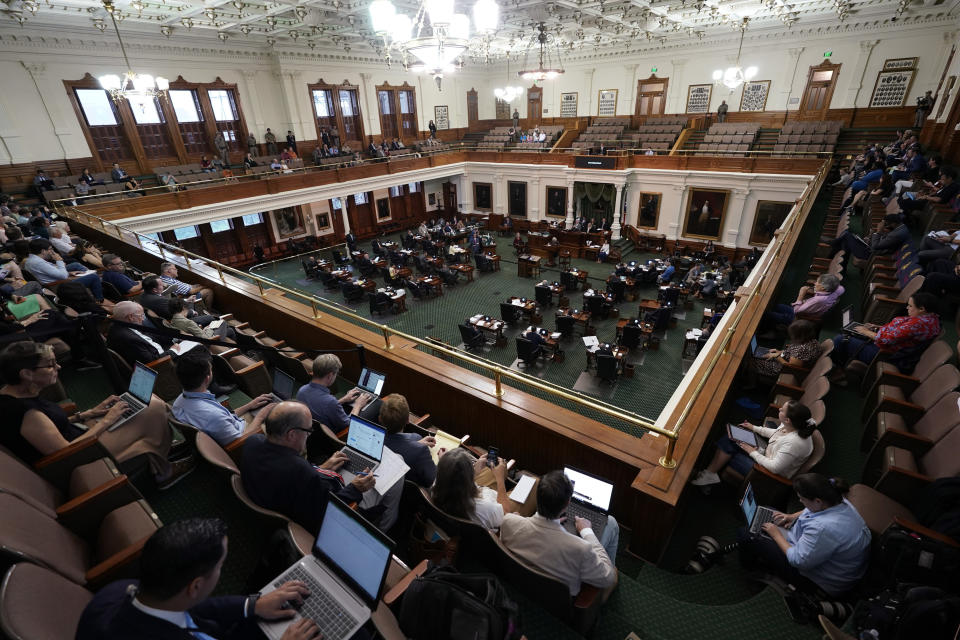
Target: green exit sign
point(827, 54)
point(653, 69)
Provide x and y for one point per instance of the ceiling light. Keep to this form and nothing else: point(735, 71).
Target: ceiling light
point(135, 88)
point(542, 72)
point(733, 77)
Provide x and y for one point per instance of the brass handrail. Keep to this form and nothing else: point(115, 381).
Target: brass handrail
point(496, 369)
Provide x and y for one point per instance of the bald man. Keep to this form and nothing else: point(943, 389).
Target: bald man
point(134, 345)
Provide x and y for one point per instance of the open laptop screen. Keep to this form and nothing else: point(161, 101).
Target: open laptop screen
point(372, 381)
point(749, 504)
point(589, 489)
point(846, 316)
point(753, 344)
point(366, 437)
point(354, 549)
point(283, 385)
point(141, 383)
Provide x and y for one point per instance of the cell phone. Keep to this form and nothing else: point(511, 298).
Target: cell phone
point(492, 459)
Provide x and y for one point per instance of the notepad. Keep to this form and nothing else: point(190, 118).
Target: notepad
point(392, 468)
point(444, 441)
point(521, 492)
point(591, 341)
point(24, 309)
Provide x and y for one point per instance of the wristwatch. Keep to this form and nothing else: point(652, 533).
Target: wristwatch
point(250, 606)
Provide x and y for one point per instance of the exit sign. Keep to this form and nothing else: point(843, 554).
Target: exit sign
point(653, 69)
point(827, 54)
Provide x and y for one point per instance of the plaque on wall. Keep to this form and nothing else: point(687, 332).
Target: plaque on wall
point(441, 116)
point(893, 83)
point(607, 102)
point(698, 98)
point(568, 105)
point(754, 96)
point(898, 64)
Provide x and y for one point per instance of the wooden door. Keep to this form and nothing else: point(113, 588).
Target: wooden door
point(821, 81)
point(388, 120)
point(473, 107)
point(450, 197)
point(651, 96)
point(534, 106)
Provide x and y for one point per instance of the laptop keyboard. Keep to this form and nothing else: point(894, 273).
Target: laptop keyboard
point(356, 462)
point(319, 606)
point(134, 407)
point(598, 521)
point(763, 515)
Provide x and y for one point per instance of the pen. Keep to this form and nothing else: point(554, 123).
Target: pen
point(364, 474)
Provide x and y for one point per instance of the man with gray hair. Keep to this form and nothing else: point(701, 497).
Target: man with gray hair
point(811, 302)
point(316, 394)
point(133, 345)
point(169, 274)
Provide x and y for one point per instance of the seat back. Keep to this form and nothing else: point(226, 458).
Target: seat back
point(274, 518)
point(942, 381)
point(470, 339)
point(24, 616)
point(818, 411)
point(607, 367)
point(910, 288)
point(942, 461)
point(21, 481)
point(125, 528)
point(814, 389)
point(565, 324)
point(212, 452)
point(940, 419)
point(631, 336)
point(935, 355)
point(544, 296)
point(527, 350)
point(508, 312)
point(819, 448)
point(28, 534)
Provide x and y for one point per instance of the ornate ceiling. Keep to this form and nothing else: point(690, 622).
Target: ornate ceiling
point(577, 28)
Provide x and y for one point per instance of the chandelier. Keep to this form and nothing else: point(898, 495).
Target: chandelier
point(449, 37)
point(136, 88)
point(508, 93)
point(542, 72)
point(735, 76)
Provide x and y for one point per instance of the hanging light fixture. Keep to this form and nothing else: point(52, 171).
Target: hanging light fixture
point(508, 93)
point(735, 76)
point(135, 88)
point(449, 38)
point(542, 72)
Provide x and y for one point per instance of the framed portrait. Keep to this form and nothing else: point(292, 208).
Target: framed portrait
point(698, 98)
point(482, 196)
point(568, 104)
point(441, 116)
point(289, 222)
point(517, 200)
point(767, 219)
point(431, 199)
point(607, 102)
point(557, 202)
point(648, 213)
point(754, 97)
point(383, 208)
point(706, 209)
point(323, 221)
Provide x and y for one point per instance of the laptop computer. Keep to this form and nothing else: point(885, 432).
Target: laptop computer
point(591, 500)
point(345, 574)
point(371, 381)
point(848, 323)
point(138, 393)
point(757, 350)
point(364, 446)
point(756, 516)
point(283, 386)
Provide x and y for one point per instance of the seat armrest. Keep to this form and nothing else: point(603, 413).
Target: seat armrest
point(249, 368)
point(159, 362)
point(894, 378)
point(235, 448)
point(901, 485)
point(57, 467)
point(119, 565)
point(926, 532)
point(587, 597)
point(915, 444)
point(788, 389)
point(83, 514)
point(910, 412)
point(229, 353)
point(398, 589)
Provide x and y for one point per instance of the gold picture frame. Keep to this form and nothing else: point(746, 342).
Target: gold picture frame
point(749, 102)
point(767, 218)
point(604, 96)
point(701, 222)
point(648, 210)
point(483, 196)
point(556, 201)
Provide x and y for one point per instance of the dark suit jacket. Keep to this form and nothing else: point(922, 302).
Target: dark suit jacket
point(111, 614)
point(133, 348)
point(160, 305)
point(276, 478)
point(417, 456)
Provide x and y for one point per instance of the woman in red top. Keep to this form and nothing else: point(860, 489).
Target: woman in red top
point(901, 340)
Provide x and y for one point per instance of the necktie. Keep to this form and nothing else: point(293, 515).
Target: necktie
point(194, 631)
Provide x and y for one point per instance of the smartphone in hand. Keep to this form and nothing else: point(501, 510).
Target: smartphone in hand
point(492, 458)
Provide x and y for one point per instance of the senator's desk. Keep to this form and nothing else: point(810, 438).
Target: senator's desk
point(528, 265)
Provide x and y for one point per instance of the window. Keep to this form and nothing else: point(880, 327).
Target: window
point(337, 205)
point(414, 187)
point(153, 236)
point(360, 198)
point(346, 103)
point(96, 107)
point(252, 219)
point(322, 103)
point(146, 112)
point(218, 226)
point(396, 192)
point(222, 103)
point(185, 105)
point(185, 233)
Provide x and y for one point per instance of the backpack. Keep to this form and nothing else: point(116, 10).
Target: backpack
point(906, 612)
point(462, 607)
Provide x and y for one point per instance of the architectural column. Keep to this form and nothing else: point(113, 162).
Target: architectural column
point(676, 90)
point(615, 227)
point(251, 99)
point(366, 86)
point(465, 193)
point(343, 214)
point(734, 217)
point(289, 93)
point(790, 70)
point(631, 70)
point(588, 82)
point(48, 89)
point(856, 77)
point(568, 223)
point(500, 194)
point(675, 227)
point(533, 212)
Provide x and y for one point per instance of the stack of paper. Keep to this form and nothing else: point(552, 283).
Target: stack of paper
point(392, 468)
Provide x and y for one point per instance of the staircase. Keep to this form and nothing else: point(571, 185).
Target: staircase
point(695, 137)
point(473, 139)
point(765, 140)
point(852, 141)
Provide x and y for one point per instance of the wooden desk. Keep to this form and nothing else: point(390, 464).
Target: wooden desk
point(528, 308)
point(342, 274)
point(325, 265)
point(591, 252)
point(528, 265)
point(404, 272)
point(379, 263)
point(388, 246)
point(580, 317)
point(648, 305)
point(555, 288)
point(618, 352)
point(564, 258)
point(397, 296)
point(581, 277)
point(491, 326)
point(549, 343)
point(494, 260)
point(365, 283)
point(436, 263)
point(432, 281)
point(465, 269)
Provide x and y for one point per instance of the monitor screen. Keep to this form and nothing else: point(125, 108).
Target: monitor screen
point(283, 385)
point(353, 548)
point(366, 437)
point(589, 489)
point(372, 381)
point(749, 504)
point(846, 316)
point(141, 383)
point(753, 344)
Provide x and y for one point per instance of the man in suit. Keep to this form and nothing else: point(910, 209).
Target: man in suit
point(276, 476)
point(542, 541)
point(722, 111)
point(292, 141)
point(154, 300)
point(133, 345)
point(179, 569)
point(351, 241)
point(892, 236)
point(415, 451)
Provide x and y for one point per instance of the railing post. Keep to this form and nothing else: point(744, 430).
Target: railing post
point(260, 285)
point(316, 314)
point(498, 383)
point(220, 273)
point(386, 336)
point(186, 258)
point(137, 236)
point(667, 460)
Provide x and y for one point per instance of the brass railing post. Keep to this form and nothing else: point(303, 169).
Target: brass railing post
point(220, 273)
point(667, 460)
point(260, 286)
point(498, 383)
point(386, 336)
point(313, 305)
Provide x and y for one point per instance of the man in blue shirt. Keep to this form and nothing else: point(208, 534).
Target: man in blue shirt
point(316, 394)
point(46, 265)
point(168, 274)
point(113, 273)
point(667, 274)
point(198, 407)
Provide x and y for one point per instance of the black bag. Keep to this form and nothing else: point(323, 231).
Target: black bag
point(443, 604)
point(907, 612)
point(905, 556)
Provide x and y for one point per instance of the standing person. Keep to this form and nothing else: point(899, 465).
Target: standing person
point(433, 130)
point(516, 118)
point(252, 145)
point(924, 106)
point(221, 144)
point(722, 111)
point(292, 141)
point(271, 139)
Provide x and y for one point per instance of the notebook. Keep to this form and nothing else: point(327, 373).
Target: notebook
point(756, 516)
point(364, 446)
point(283, 386)
point(591, 500)
point(138, 393)
point(345, 574)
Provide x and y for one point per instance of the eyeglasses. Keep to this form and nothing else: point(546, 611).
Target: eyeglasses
point(47, 366)
point(302, 429)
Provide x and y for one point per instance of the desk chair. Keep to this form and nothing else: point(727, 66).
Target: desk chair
point(569, 281)
point(328, 280)
point(608, 368)
point(631, 336)
point(509, 313)
point(377, 306)
point(598, 307)
point(339, 259)
point(527, 351)
point(544, 296)
point(618, 288)
point(472, 338)
point(565, 325)
point(351, 292)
